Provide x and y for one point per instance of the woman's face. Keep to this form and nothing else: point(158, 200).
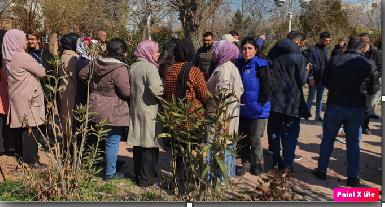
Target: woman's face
point(157, 54)
point(248, 51)
point(33, 41)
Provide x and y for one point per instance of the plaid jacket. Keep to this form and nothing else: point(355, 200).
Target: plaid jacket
point(196, 90)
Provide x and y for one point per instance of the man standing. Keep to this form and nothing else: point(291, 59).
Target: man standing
point(204, 55)
point(288, 78)
point(350, 78)
point(318, 57)
point(339, 48)
point(102, 38)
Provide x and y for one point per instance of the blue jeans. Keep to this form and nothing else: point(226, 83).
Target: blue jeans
point(230, 162)
point(317, 90)
point(285, 129)
point(112, 148)
point(351, 119)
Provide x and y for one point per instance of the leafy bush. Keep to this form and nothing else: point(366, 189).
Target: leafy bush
point(16, 191)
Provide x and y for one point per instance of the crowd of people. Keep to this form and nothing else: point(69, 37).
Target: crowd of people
point(267, 91)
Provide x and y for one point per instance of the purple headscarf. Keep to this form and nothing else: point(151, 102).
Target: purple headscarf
point(146, 49)
point(223, 52)
point(12, 44)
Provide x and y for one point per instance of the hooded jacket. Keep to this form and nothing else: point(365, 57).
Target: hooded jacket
point(109, 91)
point(289, 75)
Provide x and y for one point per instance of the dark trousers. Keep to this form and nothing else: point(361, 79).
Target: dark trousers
point(366, 121)
point(145, 165)
point(283, 129)
point(250, 147)
point(3, 129)
point(26, 144)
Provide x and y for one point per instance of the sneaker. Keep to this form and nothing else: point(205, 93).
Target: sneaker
point(319, 175)
point(245, 168)
point(297, 158)
point(257, 170)
point(367, 132)
point(115, 176)
point(341, 139)
point(269, 152)
point(38, 165)
point(352, 182)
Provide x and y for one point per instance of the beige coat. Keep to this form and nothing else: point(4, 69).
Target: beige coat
point(66, 102)
point(26, 98)
point(227, 76)
point(146, 88)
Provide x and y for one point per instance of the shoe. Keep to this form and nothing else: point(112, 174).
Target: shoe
point(115, 176)
point(319, 175)
point(297, 158)
point(374, 116)
point(367, 132)
point(119, 164)
point(319, 119)
point(245, 168)
point(257, 170)
point(39, 166)
point(352, 182)
point(341, 139)
point(269, 152)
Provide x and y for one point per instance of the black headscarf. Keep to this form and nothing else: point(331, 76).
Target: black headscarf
point(2, 33)
point(184, 51)
point(68, 41)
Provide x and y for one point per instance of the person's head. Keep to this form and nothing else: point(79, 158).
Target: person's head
point(68, 41)
point(341, 42)
point(184, 51)
point(235, 35)
point(14, 42)
point(249, 48)
point(34, 40)
point(356, 44)
point(117, 48)
point(296, 37)
point(102, 36)
point(208, 39)
point(378, 43)
point(223, 52)
point(324, 39)
point(366, 38)
point(174, 37)
point(148, 50)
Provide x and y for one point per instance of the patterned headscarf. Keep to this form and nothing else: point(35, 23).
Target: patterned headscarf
point(223, 52)
point(146, 49)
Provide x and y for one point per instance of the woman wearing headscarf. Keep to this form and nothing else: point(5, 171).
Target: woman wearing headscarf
point(255, 107)
point(146, 88)
point(26, 98)
point(5, 145)
point(67, 70)
point(226, 79)
point(183, 80)
point(109, 96)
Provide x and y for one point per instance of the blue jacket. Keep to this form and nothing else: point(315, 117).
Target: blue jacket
point(314, 57)
point(251, 107)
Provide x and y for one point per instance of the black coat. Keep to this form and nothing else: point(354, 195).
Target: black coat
point(350, 79)
point(289, 75)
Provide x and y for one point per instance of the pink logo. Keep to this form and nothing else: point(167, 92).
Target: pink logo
point(356, 194)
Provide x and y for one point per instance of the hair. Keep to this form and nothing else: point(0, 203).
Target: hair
point(378, 43)
point(2, 33)
point(206, 34)
point(341, 39)
point(364, 34)
point(184, 51)
point(293, 35)
point(250, 40)
point(323, 35)
point(356, 43)
point(234, 33)
point(68, 41)
point(116, 48)
point(38, 37)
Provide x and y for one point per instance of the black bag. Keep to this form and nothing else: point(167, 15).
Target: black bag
point(183, 78)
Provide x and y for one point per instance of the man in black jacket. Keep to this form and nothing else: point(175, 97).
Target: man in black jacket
point(289, 75)
point(350, 78)
point(318, 57)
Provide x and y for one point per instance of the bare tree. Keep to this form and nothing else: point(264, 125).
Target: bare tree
point(26, 14)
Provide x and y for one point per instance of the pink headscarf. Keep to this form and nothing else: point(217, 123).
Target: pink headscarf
point(223, 52)
point(146, 49)
point(12, 44)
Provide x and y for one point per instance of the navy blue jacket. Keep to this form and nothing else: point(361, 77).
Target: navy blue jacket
point(254, 100)
point(314, 57)
point(289, 75)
